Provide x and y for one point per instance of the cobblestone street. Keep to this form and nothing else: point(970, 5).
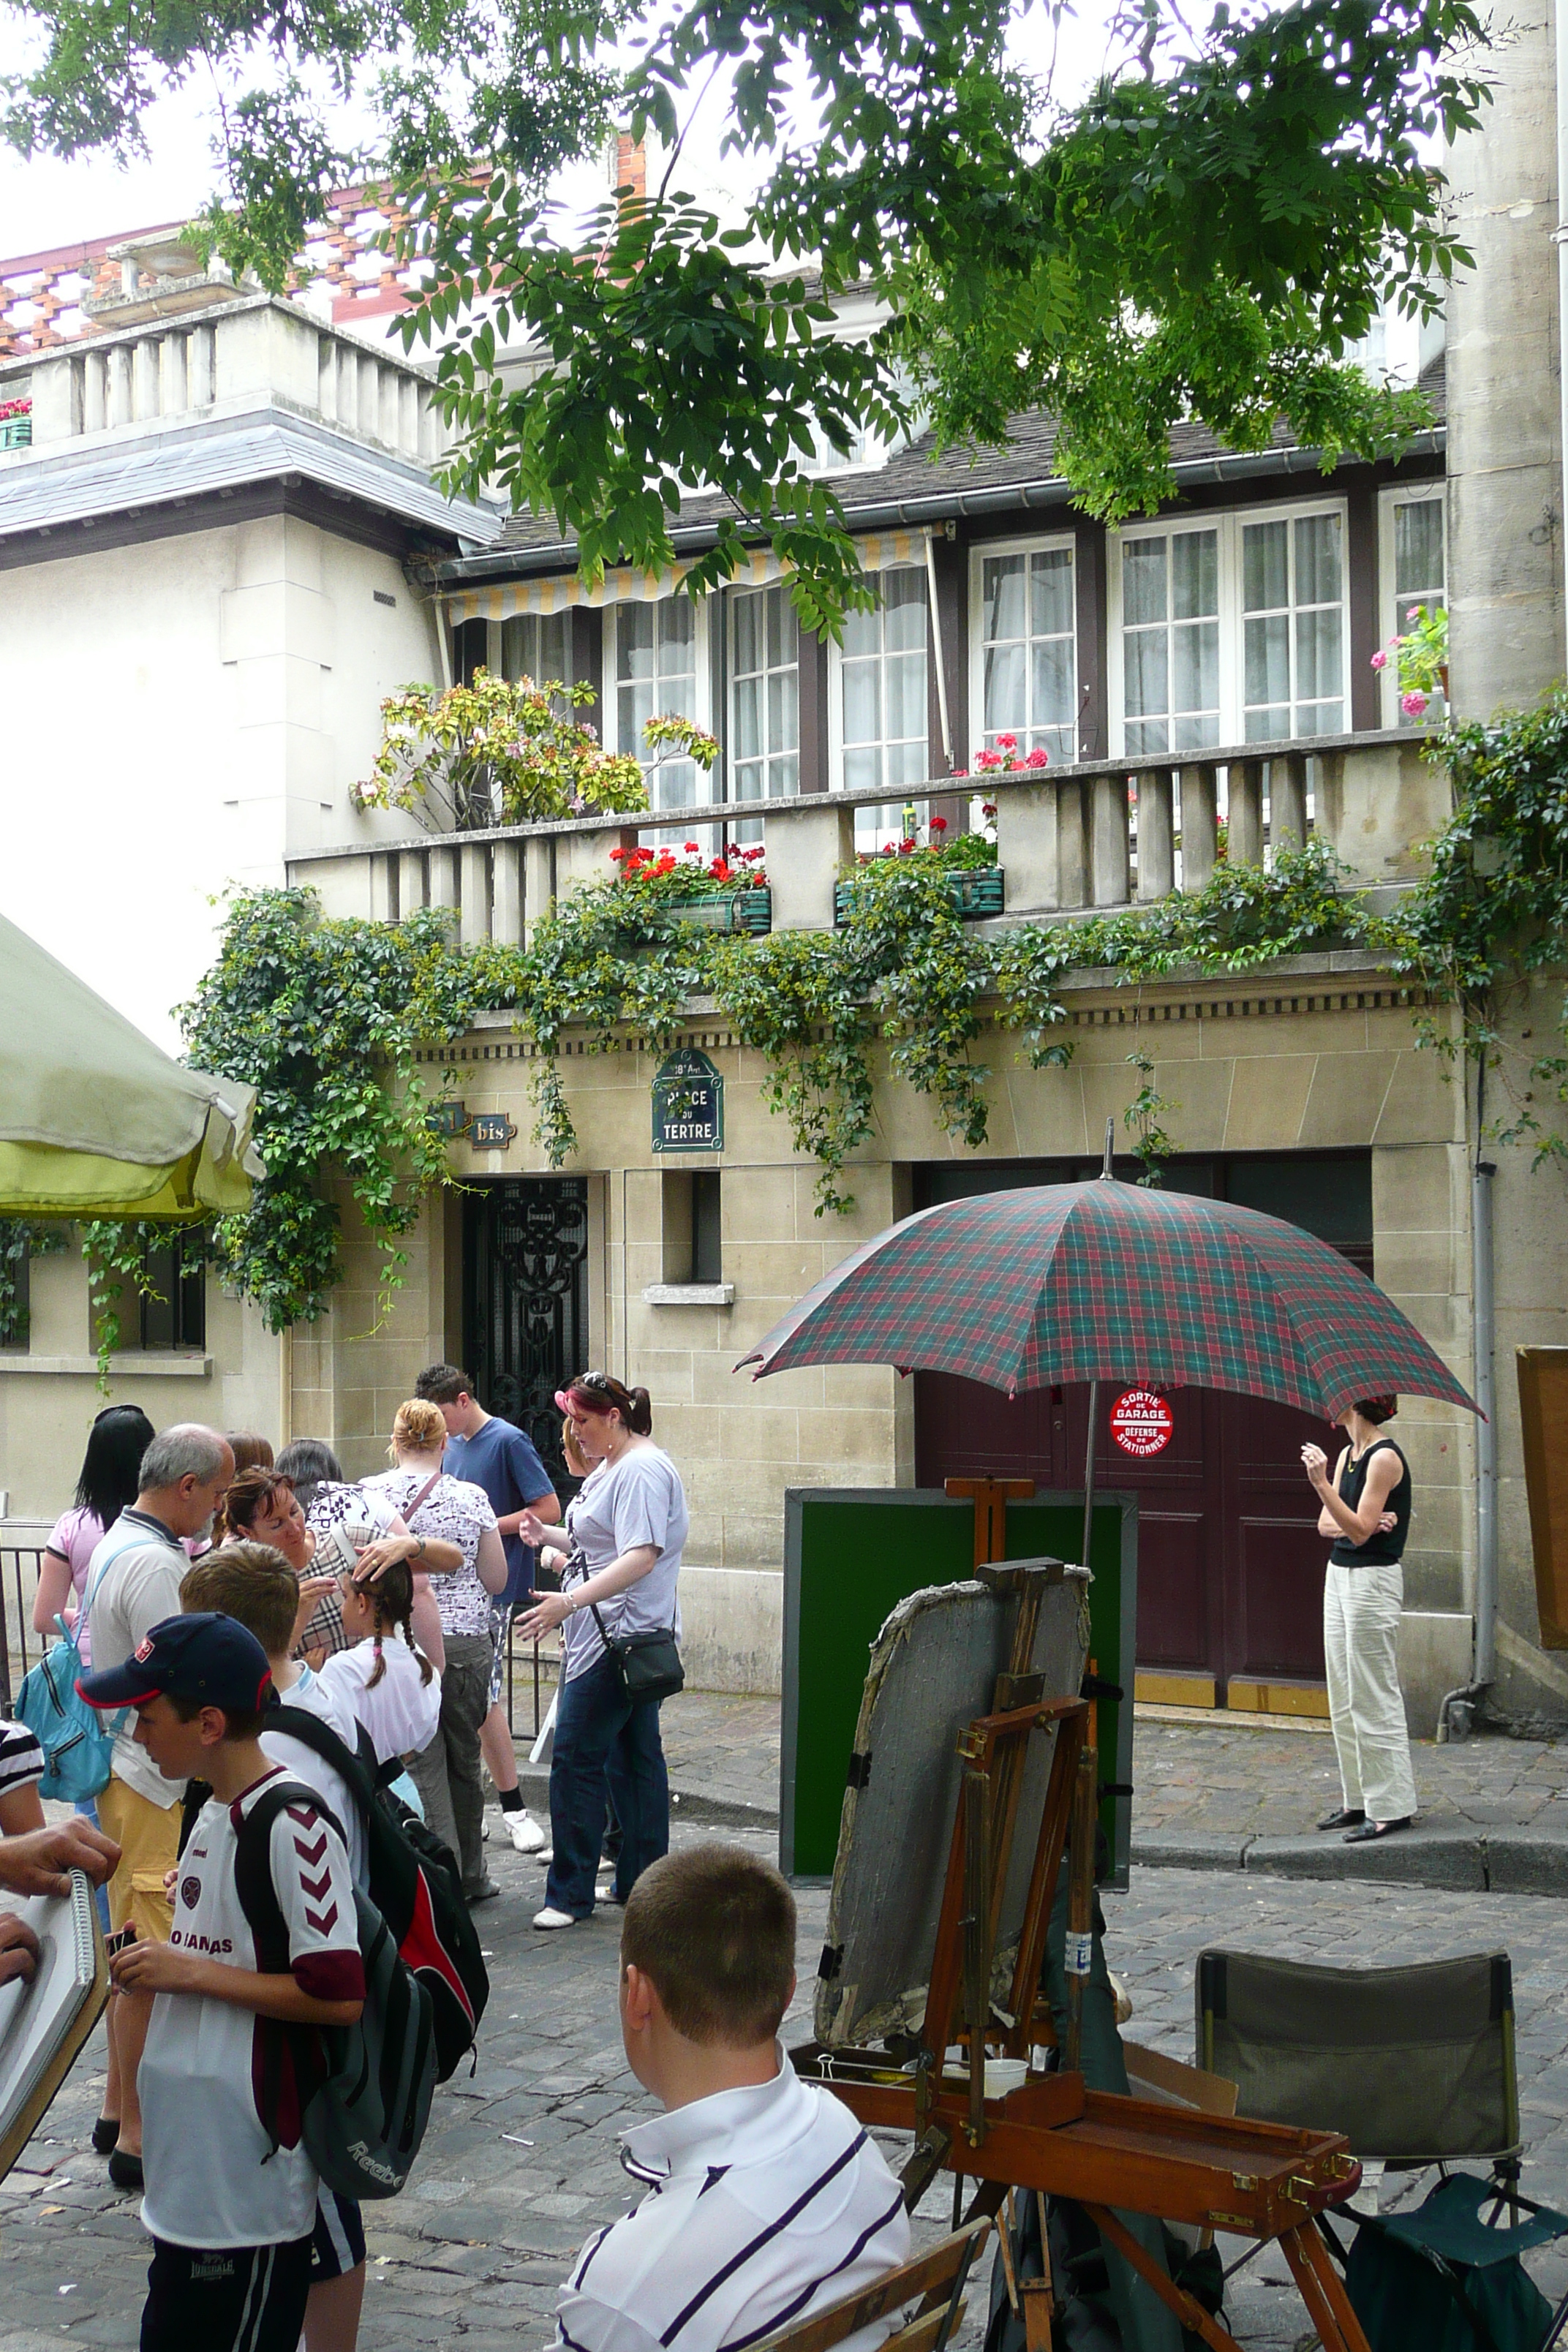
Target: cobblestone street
point(520, 2162)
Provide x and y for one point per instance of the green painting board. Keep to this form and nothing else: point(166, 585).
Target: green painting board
point(850, 1555)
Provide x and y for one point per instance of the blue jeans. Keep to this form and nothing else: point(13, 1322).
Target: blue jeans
point(604, 1745)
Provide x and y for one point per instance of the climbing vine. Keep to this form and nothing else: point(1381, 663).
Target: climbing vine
point(1492, 912)
point(323, 1016)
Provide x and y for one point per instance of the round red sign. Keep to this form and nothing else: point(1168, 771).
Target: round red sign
point(1140, 1421)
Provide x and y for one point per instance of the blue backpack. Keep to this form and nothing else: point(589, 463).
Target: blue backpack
point(78, 1740)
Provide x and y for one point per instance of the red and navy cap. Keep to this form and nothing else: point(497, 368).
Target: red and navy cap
point(210, 1659)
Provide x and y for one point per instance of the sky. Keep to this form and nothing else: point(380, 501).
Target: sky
point(46, 202)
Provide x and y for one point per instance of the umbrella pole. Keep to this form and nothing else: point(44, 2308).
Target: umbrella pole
point(1088, 1471)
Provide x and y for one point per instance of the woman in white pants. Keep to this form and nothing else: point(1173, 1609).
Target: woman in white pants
point(1366, 1506)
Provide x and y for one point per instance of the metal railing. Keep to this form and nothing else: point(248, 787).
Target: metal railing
point(20, 1647)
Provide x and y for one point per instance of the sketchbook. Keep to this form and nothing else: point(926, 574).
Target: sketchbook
point(44, 2025)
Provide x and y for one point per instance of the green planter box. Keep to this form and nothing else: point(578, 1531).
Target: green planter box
point(976, 890)
point(751, 910)
point(16, 432)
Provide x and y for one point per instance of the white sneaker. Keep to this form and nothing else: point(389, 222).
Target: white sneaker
point(524, 1831)
point(549, 1918)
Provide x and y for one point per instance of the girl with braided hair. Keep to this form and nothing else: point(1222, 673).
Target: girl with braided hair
point(382, 1680)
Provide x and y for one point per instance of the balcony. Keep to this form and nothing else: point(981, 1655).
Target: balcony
point(1079, 840)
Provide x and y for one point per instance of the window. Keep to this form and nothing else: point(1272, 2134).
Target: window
point(657, 669)
point(880, 706)
point(1027, 676)
point(1230, 631)
point(764, 698)
point(1170, 640)
point(1412, 563)
point(1292, 582)
point(536, 646)
point(693, 1218)
point(173, 1312)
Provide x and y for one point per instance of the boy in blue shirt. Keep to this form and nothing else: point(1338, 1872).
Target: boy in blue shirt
point(495, 1454)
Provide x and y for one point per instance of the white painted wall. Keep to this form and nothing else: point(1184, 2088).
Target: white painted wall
point(180, 715)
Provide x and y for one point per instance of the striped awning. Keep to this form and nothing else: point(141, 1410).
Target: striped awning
point(559, 592)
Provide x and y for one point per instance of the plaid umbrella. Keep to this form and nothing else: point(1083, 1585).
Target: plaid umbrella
point(1106, 1281)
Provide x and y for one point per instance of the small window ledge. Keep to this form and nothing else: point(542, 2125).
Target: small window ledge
point(689, 1294)
point(126, 1363)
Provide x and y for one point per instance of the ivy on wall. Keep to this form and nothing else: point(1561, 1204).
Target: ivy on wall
point(323, 1015)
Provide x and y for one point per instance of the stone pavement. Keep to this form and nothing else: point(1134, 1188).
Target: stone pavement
point(520, 2163)
point(1223, 1793)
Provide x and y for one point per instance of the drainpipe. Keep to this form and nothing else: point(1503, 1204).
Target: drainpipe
point(1483, 1294)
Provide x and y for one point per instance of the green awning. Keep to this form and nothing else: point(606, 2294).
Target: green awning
point(95, 1119)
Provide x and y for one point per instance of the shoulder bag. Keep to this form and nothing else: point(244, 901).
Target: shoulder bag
point(648, 1665)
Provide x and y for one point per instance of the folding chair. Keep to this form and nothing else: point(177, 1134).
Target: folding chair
point(1415, 2065)
point(933, 2281)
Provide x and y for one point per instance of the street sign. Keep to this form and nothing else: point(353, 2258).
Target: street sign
point(448, 1118)
point(1141, 1421)
point(688, 1103)
point(492, 1131)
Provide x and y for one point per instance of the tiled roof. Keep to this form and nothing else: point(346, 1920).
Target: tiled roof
point(915, 473)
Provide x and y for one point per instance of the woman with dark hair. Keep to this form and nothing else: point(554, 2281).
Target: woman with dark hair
point(1366, 1507)
point(618, 1574)
point(108, 1483)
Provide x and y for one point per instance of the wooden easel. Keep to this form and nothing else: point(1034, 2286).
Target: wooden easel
point(1054, 2135)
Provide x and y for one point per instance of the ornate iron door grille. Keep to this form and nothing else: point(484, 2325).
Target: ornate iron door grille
point(525, 1301)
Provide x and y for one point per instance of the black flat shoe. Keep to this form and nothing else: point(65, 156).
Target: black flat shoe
point(125, 2169)
point(1341, 1818)
point(1369, 1831)
point(105, 2132)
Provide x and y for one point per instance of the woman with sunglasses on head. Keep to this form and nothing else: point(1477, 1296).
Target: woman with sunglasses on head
point(618, 1571)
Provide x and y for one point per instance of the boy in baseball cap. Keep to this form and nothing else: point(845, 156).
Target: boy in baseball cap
point(231, 2228)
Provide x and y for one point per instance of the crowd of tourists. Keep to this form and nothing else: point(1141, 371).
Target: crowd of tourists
point(267, 1641)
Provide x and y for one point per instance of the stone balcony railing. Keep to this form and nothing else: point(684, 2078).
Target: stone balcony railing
point(1107, 833)
point(242, 352)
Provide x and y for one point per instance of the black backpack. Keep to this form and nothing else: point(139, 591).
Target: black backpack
point(357, 2097)
point(415, 1883)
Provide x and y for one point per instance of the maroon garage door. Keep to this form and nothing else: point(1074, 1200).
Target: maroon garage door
point(1230, 1564)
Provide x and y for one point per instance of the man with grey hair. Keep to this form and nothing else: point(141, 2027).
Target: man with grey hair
point(132, 1584)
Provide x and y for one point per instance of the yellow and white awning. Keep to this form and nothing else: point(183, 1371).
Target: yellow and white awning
point(562, 591)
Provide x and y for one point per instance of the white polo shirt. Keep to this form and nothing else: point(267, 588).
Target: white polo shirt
point(763, 2205)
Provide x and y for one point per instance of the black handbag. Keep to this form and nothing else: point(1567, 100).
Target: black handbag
point(647, 1663)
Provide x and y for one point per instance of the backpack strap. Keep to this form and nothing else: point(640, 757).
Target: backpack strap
point(264, 1917)
point(358, 1770)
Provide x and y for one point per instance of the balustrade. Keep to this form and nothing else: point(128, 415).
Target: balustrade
point(1078, 840)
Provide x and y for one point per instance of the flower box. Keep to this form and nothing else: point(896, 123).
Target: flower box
point(16, 432)
point(976, 891)
point(750, 911)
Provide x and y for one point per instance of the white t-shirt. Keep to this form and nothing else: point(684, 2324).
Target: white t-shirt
point(621, 1506)
point(302, 1763)
point(458, 1512)
point(133, 1583)
point(209, 2181)
point(400, 1713)
point(765, 2205)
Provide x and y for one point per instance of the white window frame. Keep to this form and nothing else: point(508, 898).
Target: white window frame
point(869, 832)
point(980, 551)
point(1228, 524)
point(609, 695)
point(1389, 617)
point(732, 597)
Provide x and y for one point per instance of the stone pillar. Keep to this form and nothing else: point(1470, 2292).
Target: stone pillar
point(1287, 801)
point(585, 856)
point(1156, 834)
point(1200, 814)
point(411, 882)
point(443, 877)
point(808, 843)
point(1244, 812)
point(1109, 860)
point(538, 879)
point(1504, 458)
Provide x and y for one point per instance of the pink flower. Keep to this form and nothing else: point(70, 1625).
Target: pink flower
point(1412, 705)
point(1007, 742)
point(692, 848)
point(1380, 659)
point(1038, 757)
point(960, 771)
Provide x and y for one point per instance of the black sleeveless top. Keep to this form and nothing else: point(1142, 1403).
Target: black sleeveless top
point(1378, 1551)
